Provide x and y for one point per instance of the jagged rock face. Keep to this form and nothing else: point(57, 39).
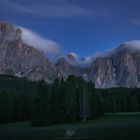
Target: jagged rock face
point(119, 69)
point(68, 65)
point(20, 59)
point(50, 72)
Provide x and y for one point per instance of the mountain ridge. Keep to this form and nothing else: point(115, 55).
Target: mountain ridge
point(117, 68)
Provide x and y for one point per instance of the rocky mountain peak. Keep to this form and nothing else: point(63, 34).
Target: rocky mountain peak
point(117, 68)
point(68, 59)
point(22, 60)
point(121, 68)
point(8, 27)
point(8, 32)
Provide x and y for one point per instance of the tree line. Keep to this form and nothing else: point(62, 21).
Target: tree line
point(120, 99)
point(68, 101)
point(45, 104)
point(62, 101)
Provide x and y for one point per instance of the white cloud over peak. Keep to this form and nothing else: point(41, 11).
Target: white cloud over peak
point(73, 54)
point(49, 47)
point(134, 44)
point(88, 58)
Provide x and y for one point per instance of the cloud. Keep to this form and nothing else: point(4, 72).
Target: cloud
point(53, 8)
point(135, 22)
point(88, 58)
point(47, 9)
point(49, 47)
point(107, 53)
point(73, 54)
point(133, 45)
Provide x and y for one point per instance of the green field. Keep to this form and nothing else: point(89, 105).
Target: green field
point(118, 126)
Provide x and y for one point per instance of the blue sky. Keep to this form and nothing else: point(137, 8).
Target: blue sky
point(85, 27)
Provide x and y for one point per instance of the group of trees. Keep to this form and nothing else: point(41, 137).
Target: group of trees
point(63, 101)
point(45, 104)
point(16, 97)
point(120, 99)
point(68, 101)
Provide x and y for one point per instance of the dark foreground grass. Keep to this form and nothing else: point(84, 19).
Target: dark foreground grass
point(118, 126)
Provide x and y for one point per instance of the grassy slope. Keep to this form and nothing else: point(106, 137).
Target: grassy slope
point(119, 126)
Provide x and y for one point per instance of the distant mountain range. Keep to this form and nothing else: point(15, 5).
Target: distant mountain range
point(116, 68)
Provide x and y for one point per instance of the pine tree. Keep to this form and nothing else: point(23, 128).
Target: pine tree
point(41, 111)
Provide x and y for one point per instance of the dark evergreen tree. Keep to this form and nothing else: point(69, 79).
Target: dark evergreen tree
point(96, 105)
point(71, 99)
point(41, 109)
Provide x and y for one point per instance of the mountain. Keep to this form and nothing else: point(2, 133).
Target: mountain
point(19, 59)
point(118, 68)
point(69, 65)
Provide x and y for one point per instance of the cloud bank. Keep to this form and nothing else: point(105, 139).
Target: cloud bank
point(133, 45)
point(49, 47)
